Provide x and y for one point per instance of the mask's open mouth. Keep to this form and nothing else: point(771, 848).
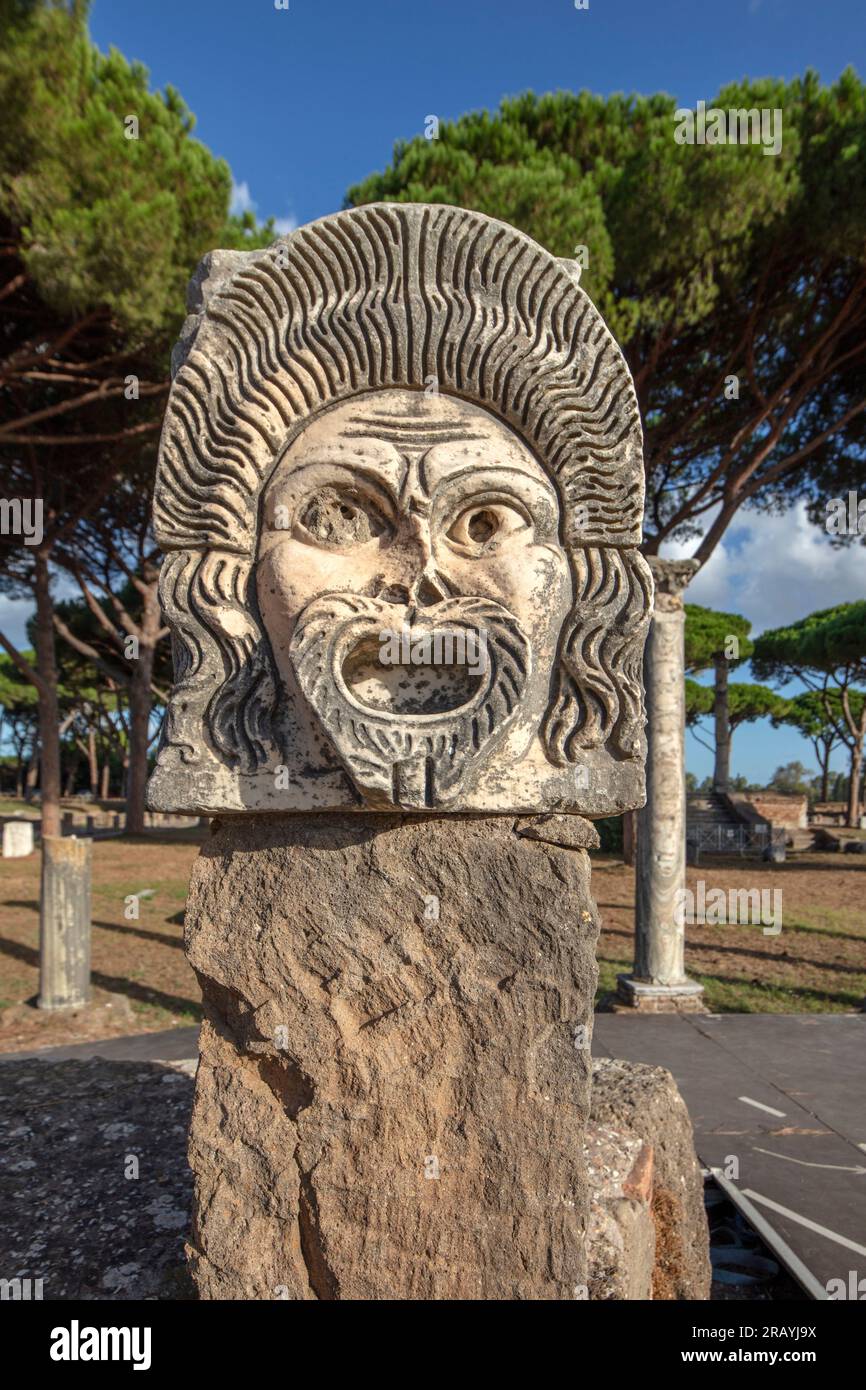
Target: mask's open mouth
point(421, 683)
point(411, 706)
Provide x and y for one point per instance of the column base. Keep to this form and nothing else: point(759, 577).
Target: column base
point(649, 998)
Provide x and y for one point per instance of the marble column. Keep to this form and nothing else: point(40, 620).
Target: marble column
point(64, 929)
point(658, 982)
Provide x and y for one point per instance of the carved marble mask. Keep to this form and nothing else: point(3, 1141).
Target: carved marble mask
point(412, 585)
point(384, 596)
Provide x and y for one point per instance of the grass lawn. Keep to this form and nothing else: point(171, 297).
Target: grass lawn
point(817, 963)
point(141, 981)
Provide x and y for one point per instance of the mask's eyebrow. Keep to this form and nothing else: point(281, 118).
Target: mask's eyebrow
point(405, 432)
point(516, 477)
point(386, 475)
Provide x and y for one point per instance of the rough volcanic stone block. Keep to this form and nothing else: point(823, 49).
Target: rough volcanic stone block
point(622, 1233)
point(393, 1081)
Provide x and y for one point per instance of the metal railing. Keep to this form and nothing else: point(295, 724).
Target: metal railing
point(734, 839)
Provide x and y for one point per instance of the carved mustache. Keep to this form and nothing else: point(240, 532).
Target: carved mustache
point(416, 756)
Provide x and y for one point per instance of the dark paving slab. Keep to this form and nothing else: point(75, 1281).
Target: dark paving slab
point(171, 1045)
point(819, 1061)
point(95, 1191)
point(801, 1166)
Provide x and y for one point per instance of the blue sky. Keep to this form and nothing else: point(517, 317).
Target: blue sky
point(302, 102)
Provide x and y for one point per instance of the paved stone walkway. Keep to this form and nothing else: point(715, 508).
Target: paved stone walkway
point(95, 1191)
point(782, 1096)
point(778, 1103)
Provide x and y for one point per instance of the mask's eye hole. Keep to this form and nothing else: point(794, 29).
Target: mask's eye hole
point(482, 526)
point(476, 527)
point(340, 517)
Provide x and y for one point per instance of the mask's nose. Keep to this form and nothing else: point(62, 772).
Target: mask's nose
point(420, 585)
point(428, 588)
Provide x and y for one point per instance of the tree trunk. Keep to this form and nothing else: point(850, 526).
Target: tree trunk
point(49, 709)
point(93, 763)
point(854, 785)
point(32, 777)
point(140, 706)
point(509, 1214)
point(722, 770)
point(139, 722)
point(629, 837)
point(105, 786)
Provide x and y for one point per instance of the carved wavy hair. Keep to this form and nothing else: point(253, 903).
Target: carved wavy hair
point(382, 296)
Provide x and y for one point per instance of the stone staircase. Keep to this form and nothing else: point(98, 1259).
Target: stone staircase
point(721, 824)
point(801, 839)
point(706, 809)
point(715, 825)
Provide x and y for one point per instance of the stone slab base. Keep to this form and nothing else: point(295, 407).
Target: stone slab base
point(638, 995)
point(643, 1103)
point(394, 1075)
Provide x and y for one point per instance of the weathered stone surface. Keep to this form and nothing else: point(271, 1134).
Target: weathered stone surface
point(432, 445)
point(622, 1233)
point(572, 832)
point(64, 922)
point(17, 839)
point(400, 492)
point(393, 1081)
point(644, 1101)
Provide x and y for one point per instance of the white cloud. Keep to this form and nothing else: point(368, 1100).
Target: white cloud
point(241, 199)
point(773, 570)
point(14, 613)
point(776, 569)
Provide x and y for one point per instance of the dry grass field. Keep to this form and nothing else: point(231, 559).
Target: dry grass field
point(816, 963)
point(142, 982)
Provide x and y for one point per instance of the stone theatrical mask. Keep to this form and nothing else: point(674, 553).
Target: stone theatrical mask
point(400, 493)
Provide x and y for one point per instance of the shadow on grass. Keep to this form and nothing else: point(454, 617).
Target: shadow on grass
point(728, 994)
point(125, 929)
point(831, 863)
point(846, 999)
point(835, 967)
point(792, 929)
point(115, 984)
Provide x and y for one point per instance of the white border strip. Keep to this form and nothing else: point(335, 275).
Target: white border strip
point(804, 1221)
point(759, 1105)
point(771, 1238)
